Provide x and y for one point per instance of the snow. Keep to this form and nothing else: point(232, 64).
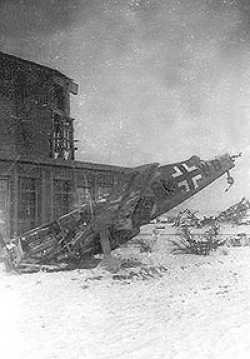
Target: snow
point(170, 306)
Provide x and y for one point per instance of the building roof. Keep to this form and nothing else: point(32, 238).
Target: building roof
point(65, 163)
point(73, 85)
point(32, 63)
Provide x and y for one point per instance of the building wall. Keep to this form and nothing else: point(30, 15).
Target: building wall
point(39, 180)
point(37, 114)
point(38, 97)
point(36, 193)
point(7, 125)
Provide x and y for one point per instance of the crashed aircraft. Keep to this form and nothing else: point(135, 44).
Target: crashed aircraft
point(99, 227)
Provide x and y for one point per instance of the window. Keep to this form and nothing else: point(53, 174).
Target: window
point(41, 99)
point(59, 97)
point(62, 197)
point(27, 203)
point(62, 144)
point(105, 184)
point(21, 85)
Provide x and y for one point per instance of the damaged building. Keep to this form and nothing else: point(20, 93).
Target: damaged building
point(39, 176)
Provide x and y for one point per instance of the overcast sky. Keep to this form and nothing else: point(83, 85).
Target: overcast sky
point(160, 80)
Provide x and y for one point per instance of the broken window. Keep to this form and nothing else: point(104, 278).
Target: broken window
point(62, 145)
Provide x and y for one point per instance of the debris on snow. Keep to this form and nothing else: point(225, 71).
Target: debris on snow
point(157, 306)
point(236, 213)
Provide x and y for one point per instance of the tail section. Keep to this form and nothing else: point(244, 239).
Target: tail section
point(174, 183)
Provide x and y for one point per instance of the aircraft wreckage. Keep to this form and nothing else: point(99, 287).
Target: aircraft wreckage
point(99, 227)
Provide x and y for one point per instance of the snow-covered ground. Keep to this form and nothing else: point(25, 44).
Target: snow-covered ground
point(170, 306)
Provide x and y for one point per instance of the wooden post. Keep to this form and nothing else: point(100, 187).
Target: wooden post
point(110, 263)
point(104, 239)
